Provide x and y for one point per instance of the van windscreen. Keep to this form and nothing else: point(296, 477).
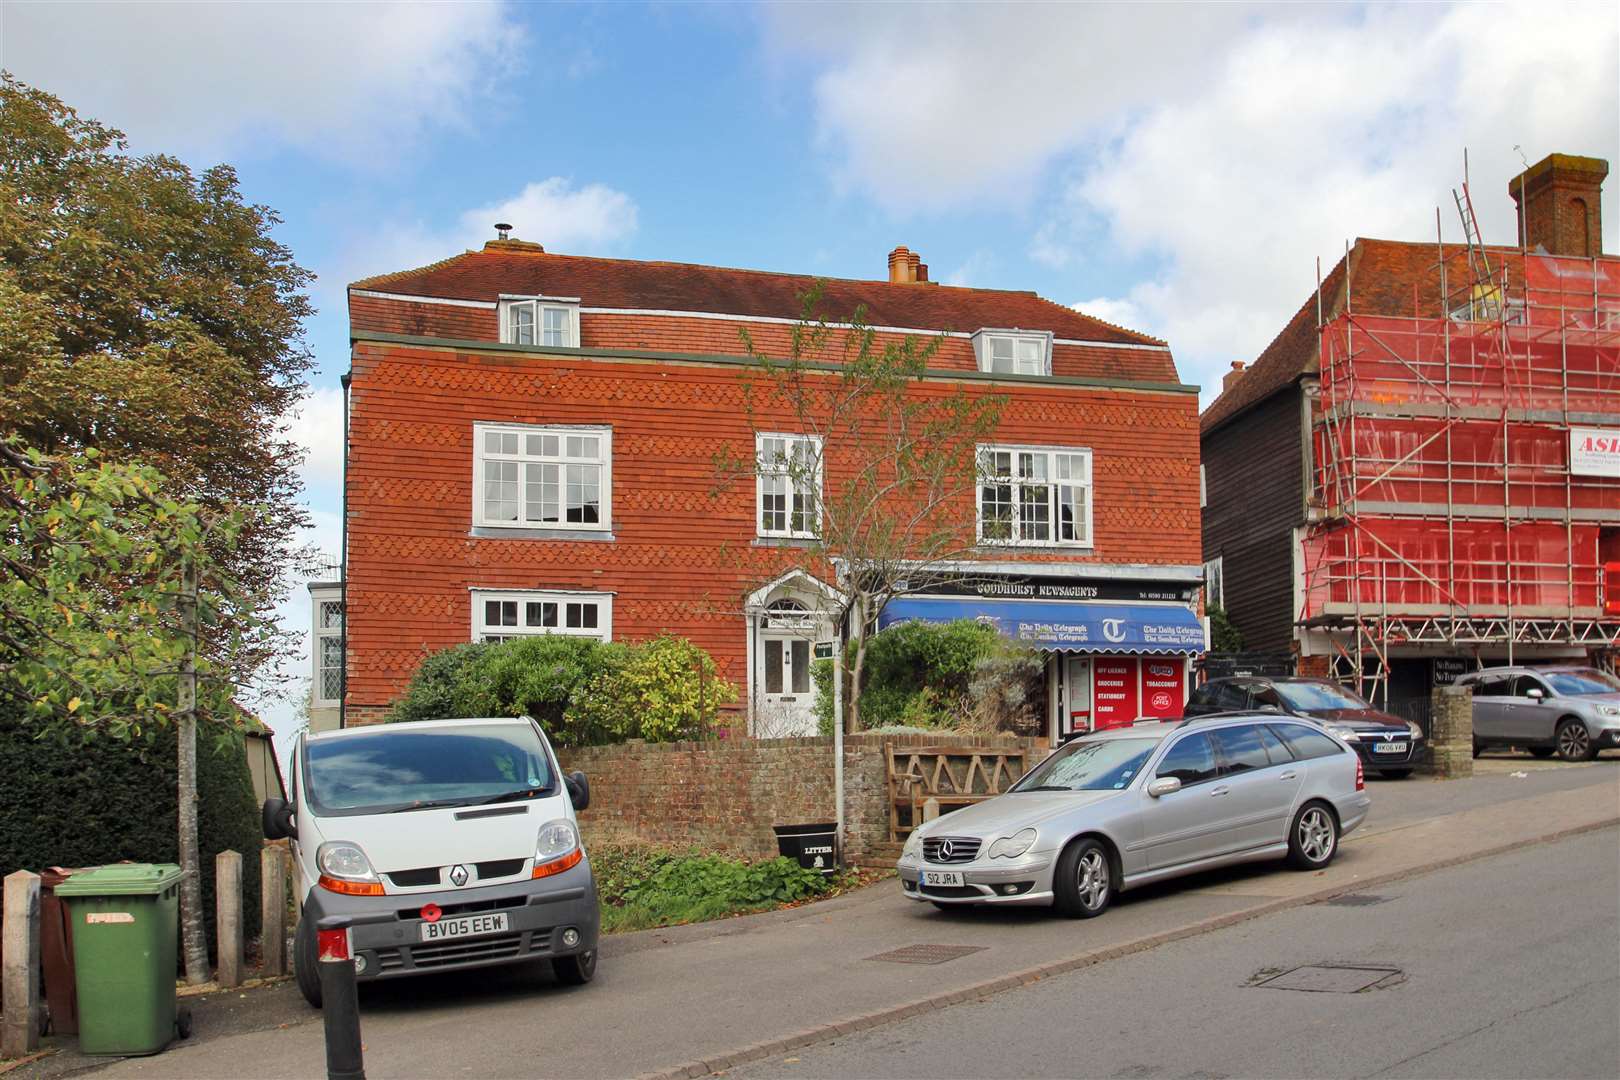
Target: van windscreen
point(382, 771)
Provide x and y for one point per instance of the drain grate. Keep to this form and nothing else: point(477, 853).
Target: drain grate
point(926, 954)
point(1356, 900)
point(1324, 979)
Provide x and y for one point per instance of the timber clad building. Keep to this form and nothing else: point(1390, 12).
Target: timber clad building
point(532, 441)
point(1421, 473)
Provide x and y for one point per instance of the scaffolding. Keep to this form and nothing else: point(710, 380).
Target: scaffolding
point(1444, 509)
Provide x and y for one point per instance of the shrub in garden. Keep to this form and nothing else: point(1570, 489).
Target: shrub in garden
point(1006, 693)
point(962, 675)
point(662, 690)
point(582, 691)
point(440, 680)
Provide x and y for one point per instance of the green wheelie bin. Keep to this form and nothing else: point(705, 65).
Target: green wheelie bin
point(125, 920)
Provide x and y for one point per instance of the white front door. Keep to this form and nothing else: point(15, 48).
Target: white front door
point(1076, 694)
point(788, 699)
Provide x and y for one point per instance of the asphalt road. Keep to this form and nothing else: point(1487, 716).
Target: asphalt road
point(666, 998)
point(1505, 967)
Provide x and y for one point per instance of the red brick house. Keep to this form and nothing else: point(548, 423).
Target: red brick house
point(531, 446)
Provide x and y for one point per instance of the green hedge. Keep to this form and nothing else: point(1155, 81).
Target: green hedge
point(84, 804)
point(583, 692)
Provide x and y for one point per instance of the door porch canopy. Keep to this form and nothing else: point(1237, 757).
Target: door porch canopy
point(1065, 626)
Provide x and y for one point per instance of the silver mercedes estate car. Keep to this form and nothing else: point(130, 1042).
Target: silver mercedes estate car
point(1125, 807)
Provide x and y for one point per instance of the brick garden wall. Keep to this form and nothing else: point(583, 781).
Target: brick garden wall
point(725, 795)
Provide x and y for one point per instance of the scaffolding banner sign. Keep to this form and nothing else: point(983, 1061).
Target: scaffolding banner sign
point(1594, 451)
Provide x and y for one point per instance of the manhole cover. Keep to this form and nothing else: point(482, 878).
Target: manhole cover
point(1356, 900)
point(927, 954)
point(1330, 980)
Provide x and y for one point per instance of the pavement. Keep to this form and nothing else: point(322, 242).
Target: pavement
point(691, 1000)
point(1466, 972)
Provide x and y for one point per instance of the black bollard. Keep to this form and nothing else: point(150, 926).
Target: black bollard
point(340, 1007)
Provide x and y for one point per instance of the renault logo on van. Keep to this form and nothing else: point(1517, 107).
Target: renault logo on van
point(458, 875)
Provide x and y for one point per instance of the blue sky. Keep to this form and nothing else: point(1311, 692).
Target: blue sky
point(1176, 168)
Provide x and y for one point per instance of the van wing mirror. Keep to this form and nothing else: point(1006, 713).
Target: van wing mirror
point(579, 790)
point(276, 818)
point(1164, 785)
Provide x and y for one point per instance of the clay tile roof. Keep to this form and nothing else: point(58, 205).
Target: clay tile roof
point(665, 286)
point(1387, 277)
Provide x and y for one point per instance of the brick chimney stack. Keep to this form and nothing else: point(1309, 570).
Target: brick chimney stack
point(907, 268)
point(1560, 204)
point(1232, 376)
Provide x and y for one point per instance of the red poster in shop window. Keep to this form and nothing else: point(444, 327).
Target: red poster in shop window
point(1114, 693)
point(1163, 680)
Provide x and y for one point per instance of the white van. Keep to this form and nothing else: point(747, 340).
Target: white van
point(441, 844)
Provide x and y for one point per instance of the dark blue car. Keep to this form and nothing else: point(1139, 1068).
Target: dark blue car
point(1385, 743)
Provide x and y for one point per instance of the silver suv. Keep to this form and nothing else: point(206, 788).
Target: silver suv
point(1571, 711)
point(1125, 807)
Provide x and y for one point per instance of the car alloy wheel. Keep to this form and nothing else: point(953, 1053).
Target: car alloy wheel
point(1316, 835)
point(1083, 880)
point(1574, 743)
point(1092, 879)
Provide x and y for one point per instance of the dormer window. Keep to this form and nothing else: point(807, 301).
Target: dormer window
point(551, 321)
point(1013, 352)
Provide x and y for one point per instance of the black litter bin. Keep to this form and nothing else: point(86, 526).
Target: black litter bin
point(814, 847)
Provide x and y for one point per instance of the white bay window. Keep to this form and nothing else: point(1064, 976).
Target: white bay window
point(1034, 496)
point(542, 477)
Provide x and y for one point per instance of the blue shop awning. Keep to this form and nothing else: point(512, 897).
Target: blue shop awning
point(1064, 626)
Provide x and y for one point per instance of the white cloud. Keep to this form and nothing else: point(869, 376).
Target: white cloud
point(1049, 246)
point(317, 426)
point(1303, 141)
point(1225, 151)
point(971, 270)
point(1124, 313)
point(559, 216)
point(925, 105)
point(588, 219)
point(343, 80)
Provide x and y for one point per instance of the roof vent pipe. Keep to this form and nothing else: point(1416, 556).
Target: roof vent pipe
point(502, 230)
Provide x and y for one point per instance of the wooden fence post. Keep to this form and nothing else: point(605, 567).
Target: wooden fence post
point(228, 916)
point(272, 910)
point(930, 809)
point(19, 979)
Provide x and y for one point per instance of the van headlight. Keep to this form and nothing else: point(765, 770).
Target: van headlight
point(345, 869)
point(1010, 847)
point(913, 848)
point(556, 848)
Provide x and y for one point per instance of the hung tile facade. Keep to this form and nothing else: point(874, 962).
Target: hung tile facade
point(532, 441)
